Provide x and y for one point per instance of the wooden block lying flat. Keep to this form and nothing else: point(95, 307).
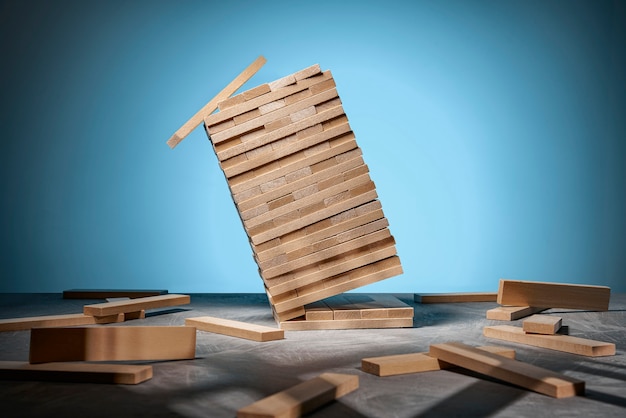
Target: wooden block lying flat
point(417, 362)
point(565, 343)
point(542, 324)
point(512, 371)
point(456, 297)
point(553, 295)
point(511, 313)
point(112, 343)
point(236, 328)
point(124, 374)
point(306, 325)
point(135, 305)
point(110, 293)
point(47, 321)
point(302, 398)
point(355, 306)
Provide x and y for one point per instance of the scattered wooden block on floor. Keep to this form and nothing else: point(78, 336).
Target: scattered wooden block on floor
point(512, 371)
point(565, 343)
point(542, 324)
point(417, 362)
point(302, 398)
point(238, 329)
point(306, 325)
point(135, 305)
point(456, 297)
point(124, 374)
point(110, 293)
point(112, 343)
point(511, 313)
point(47, 321)
point(553, 295)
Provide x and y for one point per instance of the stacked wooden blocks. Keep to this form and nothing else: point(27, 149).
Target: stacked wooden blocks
point(302, 190)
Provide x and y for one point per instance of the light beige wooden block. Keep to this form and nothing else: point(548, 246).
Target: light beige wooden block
point(302, 398)
point(417, 362)
point(238, 329)
point(210, 107)
point(110, 293)
point(374, 323)
point(47, 321)
point(565, 343)
point(553, 295)
point(542, 324)
point(112, 343)
point(456, 297)
point(121, 374)
point(511, 371)
point(511, 313)
point(318, 311)
point(135, 305)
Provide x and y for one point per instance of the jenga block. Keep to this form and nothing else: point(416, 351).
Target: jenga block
point(121, 374)
point(238, 329)
point(379, 306)
point(318, 311)
point(302, 398)
point(373, 323)
point(210, 107)
point(542, 324)
point(134, 305)
point(112, 343)
point(511, 313)
point(511, 371)
point(456, 297)
point(553, 295)
point(110, 293)
point(128, 316)
point(307, 72)
point(565, 343)
point(417, 362)
point(48, 321)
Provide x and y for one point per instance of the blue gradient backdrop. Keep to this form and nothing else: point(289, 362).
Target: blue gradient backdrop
point(495, 132)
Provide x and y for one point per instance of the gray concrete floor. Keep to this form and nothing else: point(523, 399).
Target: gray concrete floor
point(229, 373)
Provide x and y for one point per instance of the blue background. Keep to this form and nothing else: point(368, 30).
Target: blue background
point(495, 132)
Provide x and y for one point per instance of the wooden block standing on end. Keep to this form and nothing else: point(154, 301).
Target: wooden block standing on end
point(236, 328)
point(542, 324)
point(512, 371)
point(302, 398)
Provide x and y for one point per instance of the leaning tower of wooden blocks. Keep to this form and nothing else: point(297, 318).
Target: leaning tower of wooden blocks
point(303, 191)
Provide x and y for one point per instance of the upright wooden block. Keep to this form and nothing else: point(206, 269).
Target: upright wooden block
point(565, 343)
point(48, 321)
point(512, 313)
point(456, 297)
point(542, 324)
point(302, 398)
point(553, 295)
point(112, 343)
point(238, 329)
point(512, 371)
point(135, 305)
point(124, 374)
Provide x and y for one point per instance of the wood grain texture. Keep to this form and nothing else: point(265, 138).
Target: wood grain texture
point(122, 374)
point(112, 343)
point(211, 106)
point(542, 324)
point(48, 321)
point(374, 323)
point(565, 343)
point(302, 398)
point(512, 313)
point(553, 295)
point(417, 362)
point(238, 329)
point(456, 297)
point(135, 305)
point(515, 372)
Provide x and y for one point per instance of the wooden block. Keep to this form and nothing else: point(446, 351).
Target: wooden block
point(47, 321)
point(374, 323)
point(417, 362)
point(134, 305)
point(129, 316)
point(515, 372)
point(318, 311)
point(302, 398)
point(553, 295)
point(511, 313)
point(236, 328)
point(565, 343)
point(210, 107)
point(110, 293)
point(456, 297)
point(542, 324)
point(124, 374)
point(112, 343)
